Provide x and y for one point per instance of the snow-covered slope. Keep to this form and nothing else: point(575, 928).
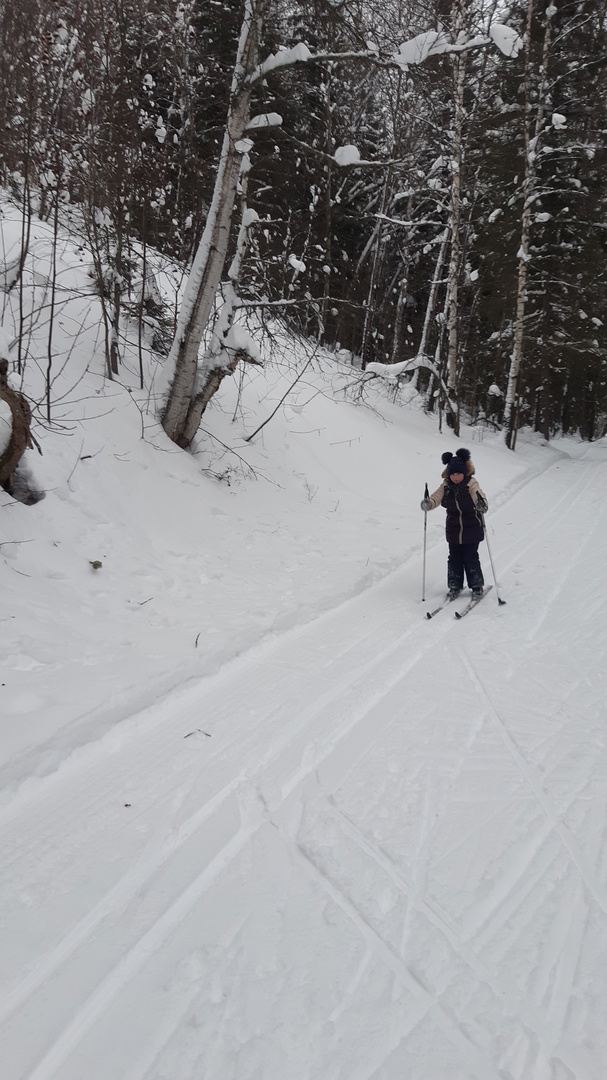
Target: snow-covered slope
point(203, 555)
point(259, 818)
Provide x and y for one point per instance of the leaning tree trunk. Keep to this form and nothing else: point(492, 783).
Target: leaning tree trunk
point(20, 438)
point(207, 270)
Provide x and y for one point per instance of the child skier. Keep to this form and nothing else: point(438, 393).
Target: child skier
point(465, 504)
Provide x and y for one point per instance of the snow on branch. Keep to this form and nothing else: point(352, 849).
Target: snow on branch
point(347, 155)
point(419, 48)
point(412, 52)
point(299, 54)
point(347, 161)
point(392, 371)
point(506, 39)
point(271, 119)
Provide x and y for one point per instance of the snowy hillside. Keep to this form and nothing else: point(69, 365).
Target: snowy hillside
point(203, 555)
point(259, 817)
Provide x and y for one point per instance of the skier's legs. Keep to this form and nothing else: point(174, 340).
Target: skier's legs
point(472, 565)
point(455, 567)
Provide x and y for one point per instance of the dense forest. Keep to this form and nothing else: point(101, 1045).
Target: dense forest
point(416, 186)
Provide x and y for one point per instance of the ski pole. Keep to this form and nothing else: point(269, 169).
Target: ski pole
point(497, 591)
point(426, 494)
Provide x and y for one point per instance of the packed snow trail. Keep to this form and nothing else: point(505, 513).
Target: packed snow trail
point(375, 848)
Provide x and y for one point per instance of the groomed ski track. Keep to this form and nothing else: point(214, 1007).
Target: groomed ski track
point(374, 849)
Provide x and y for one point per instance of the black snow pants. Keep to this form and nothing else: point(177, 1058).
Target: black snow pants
point(464, 557)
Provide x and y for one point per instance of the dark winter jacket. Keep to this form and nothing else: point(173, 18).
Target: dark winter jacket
point(464, 524)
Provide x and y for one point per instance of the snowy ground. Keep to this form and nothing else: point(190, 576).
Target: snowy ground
point(259, 819)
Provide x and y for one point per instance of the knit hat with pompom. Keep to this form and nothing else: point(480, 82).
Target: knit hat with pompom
point(455, 465)
point(464, 462)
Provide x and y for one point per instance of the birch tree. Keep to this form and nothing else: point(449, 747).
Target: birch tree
point(455, 219)
point(533, 124)
point(185, 399)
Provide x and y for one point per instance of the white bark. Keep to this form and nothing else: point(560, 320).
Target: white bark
point(430, 306)
point(205, 277)
point(220, 361)
point(534, 122)
point(455, 222)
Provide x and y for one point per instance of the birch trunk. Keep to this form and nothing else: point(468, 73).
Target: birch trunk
point(457, 155)
point(219, 361)
point(431, 305)
point(532, 131)
point(207, 270)
point(375, 266)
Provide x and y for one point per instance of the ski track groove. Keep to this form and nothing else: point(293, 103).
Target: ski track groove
point(480, 1064)
point(127, 888)
point(419, 860)
point(534, 784)
point(172, 1021)
point(566, 500)
point(118, 897)
point(565, 572)
point(511, 993)
point(132, 961)
point(351, 986)
point(566, 949)
point(424, 907)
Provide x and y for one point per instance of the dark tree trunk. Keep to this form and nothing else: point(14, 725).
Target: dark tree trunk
point(20, 438)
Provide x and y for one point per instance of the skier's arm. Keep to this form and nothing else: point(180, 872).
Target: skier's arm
point(434, 499)
point(478, 497)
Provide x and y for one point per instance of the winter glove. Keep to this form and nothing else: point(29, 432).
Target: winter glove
point(426, 504)
point(481, 504)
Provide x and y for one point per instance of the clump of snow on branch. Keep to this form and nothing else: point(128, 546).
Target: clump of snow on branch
point(297, 264)
point(239, 339)
point(506, 39)
point(243, 146)
point(347, 155)
point(392, 371)
point(558, 121)
point(419, 48)
point(297, 55)
point(263, 120)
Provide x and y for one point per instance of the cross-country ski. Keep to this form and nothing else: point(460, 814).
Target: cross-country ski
point(472, 603)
